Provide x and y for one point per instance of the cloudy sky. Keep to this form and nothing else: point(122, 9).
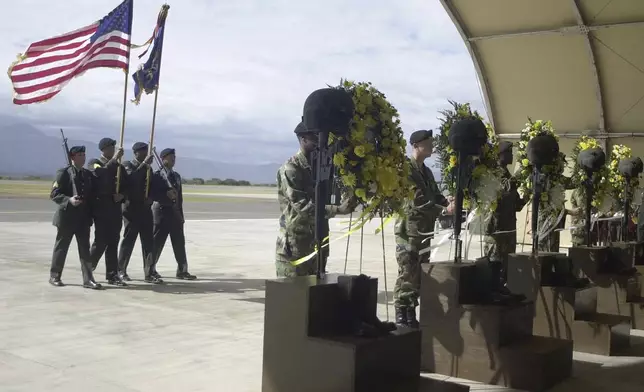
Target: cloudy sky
point(235, 73)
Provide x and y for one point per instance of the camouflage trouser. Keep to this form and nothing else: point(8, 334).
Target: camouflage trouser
point(498, 247)
point(550, 243)
point(284, 268)
point(407, 288)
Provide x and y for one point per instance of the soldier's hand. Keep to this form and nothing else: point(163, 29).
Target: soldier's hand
point(451, 207)
point(118, 197)
point(348, 205)
point(149, 159)
point(75, 200)
point(172, 194)
point(119, 153)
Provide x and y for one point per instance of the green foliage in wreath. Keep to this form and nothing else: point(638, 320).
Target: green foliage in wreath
point(373, 164)
point(485, 184)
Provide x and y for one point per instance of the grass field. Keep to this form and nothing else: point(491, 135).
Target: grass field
point(203, 193)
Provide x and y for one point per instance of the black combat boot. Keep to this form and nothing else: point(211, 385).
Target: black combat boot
point(362, 307)
point(153, 279)
point(412, 321)
point(401, 316)
point(115, 280)
point(124, 276)
point(91, 284)
point(182, 273)
point(54, 280)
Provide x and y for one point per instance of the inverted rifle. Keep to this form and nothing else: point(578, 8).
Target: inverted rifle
point(329, 178)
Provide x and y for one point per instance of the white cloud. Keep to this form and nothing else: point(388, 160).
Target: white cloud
point(254, 61)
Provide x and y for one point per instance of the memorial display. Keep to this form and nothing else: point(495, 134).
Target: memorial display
point(471, 329)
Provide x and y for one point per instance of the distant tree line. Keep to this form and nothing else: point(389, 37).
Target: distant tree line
point(191, 181)
point(27, 178)
point(219, 181)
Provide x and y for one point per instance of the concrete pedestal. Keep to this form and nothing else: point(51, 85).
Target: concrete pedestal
point(466, 338)
point(620, 287)
point(563, 309)
point(308, 345)
point(628, 254)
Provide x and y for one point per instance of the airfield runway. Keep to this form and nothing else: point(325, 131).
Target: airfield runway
point(203, 335)
point(15, 209)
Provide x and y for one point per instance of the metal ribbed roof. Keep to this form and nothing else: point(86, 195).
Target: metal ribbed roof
point(579, 63)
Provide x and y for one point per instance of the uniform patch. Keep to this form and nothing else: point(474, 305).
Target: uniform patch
point(55, 184)
point(97, 166)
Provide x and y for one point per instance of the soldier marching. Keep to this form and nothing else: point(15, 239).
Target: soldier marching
point(108, 194)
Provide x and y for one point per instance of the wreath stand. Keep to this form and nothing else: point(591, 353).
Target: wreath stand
point(465, 335)
point(309, 339)
point(617, 271)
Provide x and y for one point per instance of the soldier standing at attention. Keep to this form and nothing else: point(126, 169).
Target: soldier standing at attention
point(296, 197)
point(106, 209)
point(501, 235)
point(167, 211)
point(137, 213)
point(421, 215)
point(72, 191)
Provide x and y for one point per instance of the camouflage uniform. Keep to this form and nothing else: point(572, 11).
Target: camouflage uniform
point(504, 220)
point(578, 234)
point(421, 215)
point(296, 239)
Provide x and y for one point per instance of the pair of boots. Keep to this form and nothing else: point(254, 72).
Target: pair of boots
point(361, 297)
point(558, 271)
point(406, 316)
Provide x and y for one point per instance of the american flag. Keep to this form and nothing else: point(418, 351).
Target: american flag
point(48, 65)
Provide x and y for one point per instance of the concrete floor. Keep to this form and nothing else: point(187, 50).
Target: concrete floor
point(204, 335)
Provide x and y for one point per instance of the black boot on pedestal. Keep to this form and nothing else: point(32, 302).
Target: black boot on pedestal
point(362, 308)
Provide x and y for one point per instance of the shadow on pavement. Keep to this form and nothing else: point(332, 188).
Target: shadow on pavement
point(201, 286)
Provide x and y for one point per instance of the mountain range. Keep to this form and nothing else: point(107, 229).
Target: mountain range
point(27, 151)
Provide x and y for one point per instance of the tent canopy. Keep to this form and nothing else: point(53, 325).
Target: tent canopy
point(579, 63)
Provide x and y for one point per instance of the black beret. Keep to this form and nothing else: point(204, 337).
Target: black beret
point(468, 136)
point(139, 146)
point(76, 150)
point(505, 146)
point(328, 110)
point(166, 152)
point(106, 142)
point(543, 150)
point(592, 159)
point(301, 129)
point(419, 136)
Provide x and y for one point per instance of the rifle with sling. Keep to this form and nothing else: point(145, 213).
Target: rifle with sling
point(71, 164)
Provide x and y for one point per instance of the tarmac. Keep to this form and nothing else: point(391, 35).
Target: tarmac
point(204, 335)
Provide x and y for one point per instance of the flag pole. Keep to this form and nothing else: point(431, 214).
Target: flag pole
point(164, 10)
point(154, 117)
point(127, 74)
point(118, 169)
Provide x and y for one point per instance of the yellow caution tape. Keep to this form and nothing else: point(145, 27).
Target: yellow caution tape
point(327, 243)
point(358, 225)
